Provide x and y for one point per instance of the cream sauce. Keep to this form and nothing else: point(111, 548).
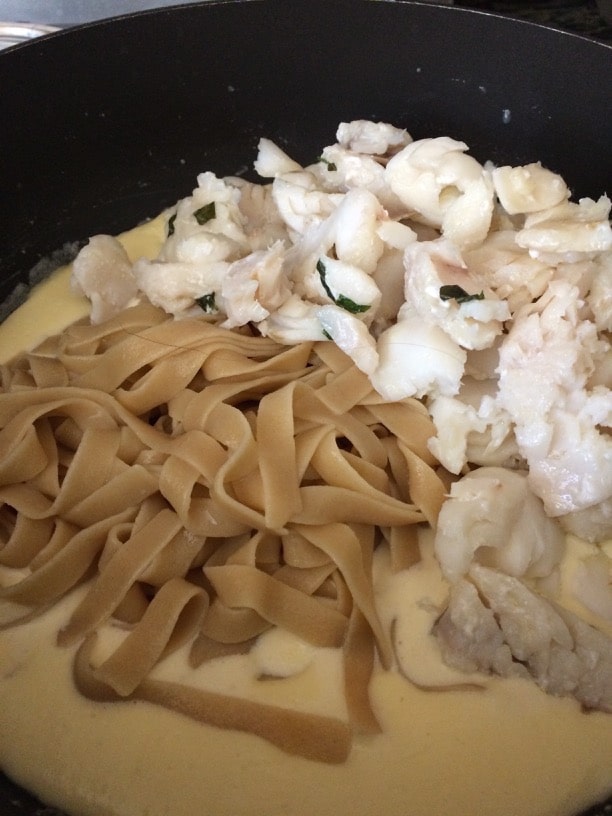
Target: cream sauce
point(52, 305)
point(506, 749)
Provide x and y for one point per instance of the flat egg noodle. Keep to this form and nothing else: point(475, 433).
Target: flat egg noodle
point(315, 737)
point(25, 541)
point(62, 572)
point(277, 459)
point(170, 620)
point(342, 545)
point(227, 625)
point(358, 668)
point(278, 603)
point(204, 486)
point(119, 573)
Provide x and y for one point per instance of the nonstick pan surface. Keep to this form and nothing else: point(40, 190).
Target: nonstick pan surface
point(104, 125)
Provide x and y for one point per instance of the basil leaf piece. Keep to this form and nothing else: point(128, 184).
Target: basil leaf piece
point(171, 221)
point(327, 334)
point(344, 302)
point(322, 274)
point(207, 303)
point(454, 292)
point(331, 166)
point(350, 305)
point(205, 213)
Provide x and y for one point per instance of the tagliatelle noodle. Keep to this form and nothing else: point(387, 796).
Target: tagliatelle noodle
point(358, 667)
point(59, 574)
point(171, 619)
point(208, 485)
point(120, 572)
point(321, 738)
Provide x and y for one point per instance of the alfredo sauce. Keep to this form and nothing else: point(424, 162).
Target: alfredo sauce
point(451, 745)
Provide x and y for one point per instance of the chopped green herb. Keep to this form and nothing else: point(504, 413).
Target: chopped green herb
point(322, 273)
point(205, 213)
point(331, 166)
point(207, 303)
point(454, 292)
point(350, 305)
point(344, 302)
point(171, 221)
point(327, 334)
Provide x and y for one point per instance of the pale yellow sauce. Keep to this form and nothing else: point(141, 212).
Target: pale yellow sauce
point(52, 305)
point(506, 749)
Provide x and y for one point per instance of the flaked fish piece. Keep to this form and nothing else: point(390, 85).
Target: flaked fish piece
point(494, 623)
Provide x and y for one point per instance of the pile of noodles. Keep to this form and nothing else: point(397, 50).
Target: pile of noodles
point(206, 485)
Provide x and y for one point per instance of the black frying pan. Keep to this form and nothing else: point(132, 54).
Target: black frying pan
point(104, 125)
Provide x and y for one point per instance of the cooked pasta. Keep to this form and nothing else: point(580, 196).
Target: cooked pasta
point(208, 485)
point(308, 374)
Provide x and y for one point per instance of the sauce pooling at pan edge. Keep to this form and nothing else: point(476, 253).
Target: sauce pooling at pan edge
point(251, 548)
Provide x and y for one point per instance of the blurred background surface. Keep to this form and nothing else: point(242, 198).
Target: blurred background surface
point(589, 17)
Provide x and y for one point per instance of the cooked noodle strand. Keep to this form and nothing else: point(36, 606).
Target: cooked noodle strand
point(206, 486)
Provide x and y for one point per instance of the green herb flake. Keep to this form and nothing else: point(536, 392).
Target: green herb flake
point(205, 214)
point(327, 334)
point(207, 303)
point(322, 274)
point(454, 292)
point(344, 302)
point(331, 166)
point(171, 221)
point(350, 305)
